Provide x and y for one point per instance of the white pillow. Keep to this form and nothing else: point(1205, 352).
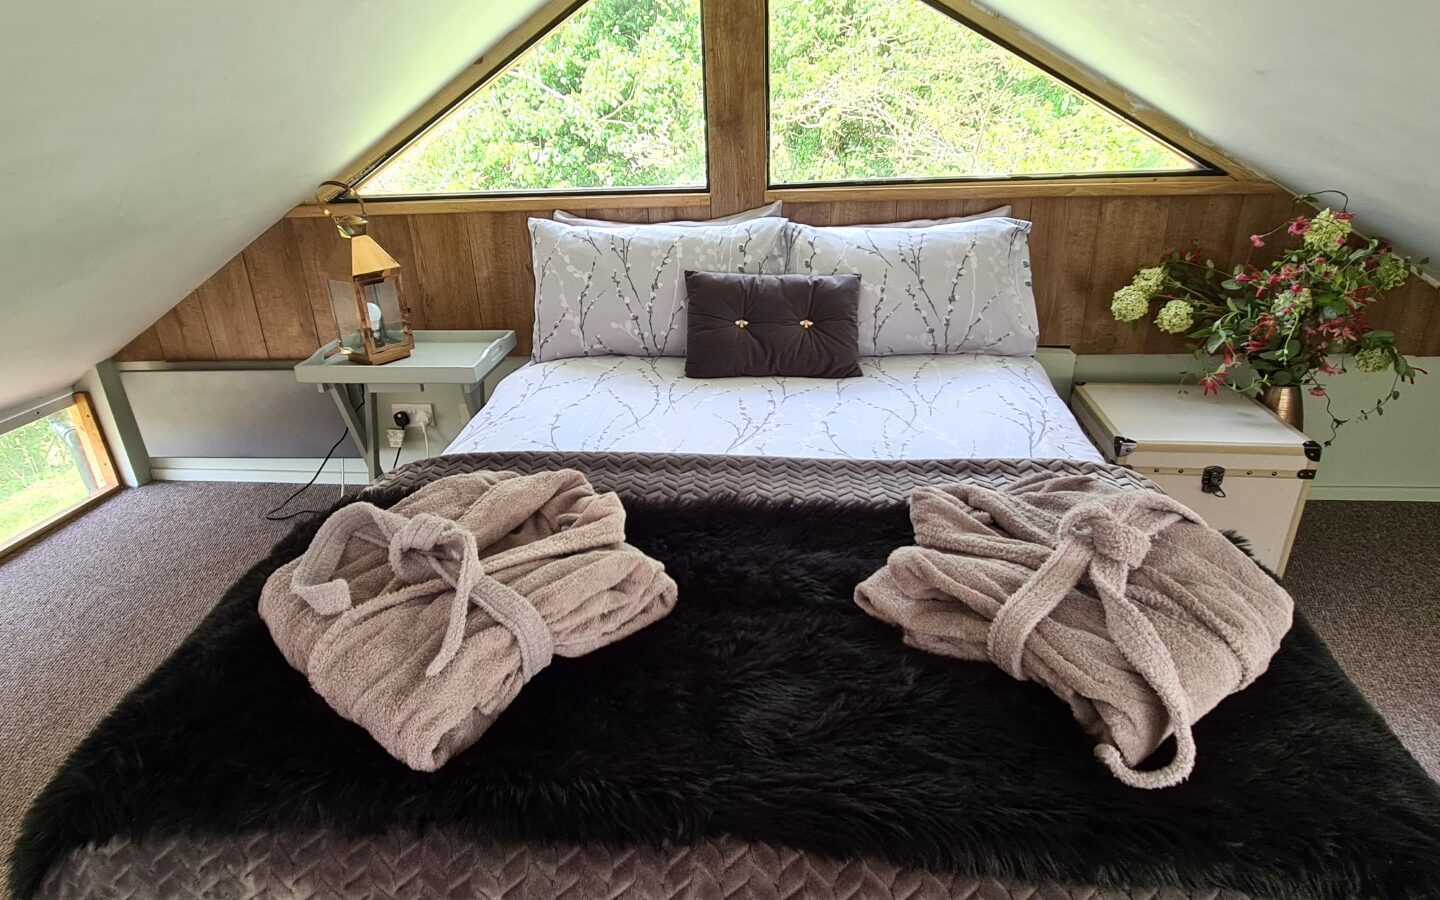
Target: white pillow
point(621, 290)
point(769, 210)
point(999, 212)
point(958, 288)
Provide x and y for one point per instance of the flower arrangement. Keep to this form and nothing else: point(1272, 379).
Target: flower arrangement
point(1285, 320)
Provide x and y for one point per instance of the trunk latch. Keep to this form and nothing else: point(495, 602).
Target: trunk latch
point(1211, 479)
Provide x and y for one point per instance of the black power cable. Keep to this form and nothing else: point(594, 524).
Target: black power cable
point(307, 485)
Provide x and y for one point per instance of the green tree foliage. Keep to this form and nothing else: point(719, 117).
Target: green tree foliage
point(38, 473)
point(859, 90)
point(611, 98)
point(884, 89)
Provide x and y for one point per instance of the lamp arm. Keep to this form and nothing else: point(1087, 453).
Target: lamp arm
point(344, 189)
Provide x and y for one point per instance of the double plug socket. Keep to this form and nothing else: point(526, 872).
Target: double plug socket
point(407, 414)
point(404, 415)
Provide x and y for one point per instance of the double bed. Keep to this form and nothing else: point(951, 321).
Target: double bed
point(767, 739)
point(970, 406)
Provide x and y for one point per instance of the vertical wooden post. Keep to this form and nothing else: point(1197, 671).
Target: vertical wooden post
point(736, 102)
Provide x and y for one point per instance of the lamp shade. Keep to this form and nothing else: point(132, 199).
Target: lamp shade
point(368, 258)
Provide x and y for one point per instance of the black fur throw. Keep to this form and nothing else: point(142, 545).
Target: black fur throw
point(768, 706)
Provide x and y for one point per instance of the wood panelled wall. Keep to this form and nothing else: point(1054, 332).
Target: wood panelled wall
point(466, 263)
point(472, 270)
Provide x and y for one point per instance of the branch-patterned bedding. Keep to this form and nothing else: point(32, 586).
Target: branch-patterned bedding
point(968, 406)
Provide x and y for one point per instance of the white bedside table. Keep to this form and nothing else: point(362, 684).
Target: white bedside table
point(440, 357)
point(1226, 456)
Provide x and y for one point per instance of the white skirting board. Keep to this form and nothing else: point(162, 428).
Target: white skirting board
point(1425, 493)
point(280, 471)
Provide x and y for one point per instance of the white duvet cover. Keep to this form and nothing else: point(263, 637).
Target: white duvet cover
point(905, 407)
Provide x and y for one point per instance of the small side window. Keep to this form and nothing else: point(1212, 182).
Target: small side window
point(50, 466)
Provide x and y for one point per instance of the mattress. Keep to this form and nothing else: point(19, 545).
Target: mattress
point(905, 407)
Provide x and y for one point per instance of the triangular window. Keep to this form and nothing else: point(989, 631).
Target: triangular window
point(895, 90)
point(610, 99)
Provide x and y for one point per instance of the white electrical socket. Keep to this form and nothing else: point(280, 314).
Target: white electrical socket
point(421, 414)
point(396, 437)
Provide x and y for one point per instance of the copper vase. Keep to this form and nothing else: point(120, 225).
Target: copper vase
point(1286, 402)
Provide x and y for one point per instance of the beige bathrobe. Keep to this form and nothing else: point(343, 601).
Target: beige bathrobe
point(1124, 603)
point(422, 622)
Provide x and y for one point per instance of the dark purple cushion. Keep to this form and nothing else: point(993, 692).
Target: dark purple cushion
point(806, 326)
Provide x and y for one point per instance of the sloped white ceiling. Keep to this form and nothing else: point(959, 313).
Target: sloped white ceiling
point(144, 143)
point(1316, 94)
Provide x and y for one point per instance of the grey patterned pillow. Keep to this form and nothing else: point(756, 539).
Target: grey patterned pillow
point(621, 291)
point(759, 212)
point(961, 287)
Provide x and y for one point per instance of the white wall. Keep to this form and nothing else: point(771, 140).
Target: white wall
point(144, 143)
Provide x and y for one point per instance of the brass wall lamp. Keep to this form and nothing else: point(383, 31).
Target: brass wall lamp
point(371, 308)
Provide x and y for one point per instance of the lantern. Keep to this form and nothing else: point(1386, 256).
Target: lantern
point(370, 308)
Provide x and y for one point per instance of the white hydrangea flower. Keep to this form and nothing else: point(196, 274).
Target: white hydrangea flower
point(1130, 303)
point(1373, 359)
point(1150, 280)
point(1298, 304)
point(1175, 317)
point(1326, 231)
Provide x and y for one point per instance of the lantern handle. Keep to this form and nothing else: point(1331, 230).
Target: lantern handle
point(344, 189)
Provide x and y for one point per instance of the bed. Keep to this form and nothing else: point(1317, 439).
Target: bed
point(767, 739)
point(968, 406)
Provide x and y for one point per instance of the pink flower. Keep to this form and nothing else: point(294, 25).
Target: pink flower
point(1317, 392)
point(1296, 288)
point(1344, 216)
point(1299, 225)
point(1329, 369)
point(1256, 240)
point(1242, 278)
point(1213, 382)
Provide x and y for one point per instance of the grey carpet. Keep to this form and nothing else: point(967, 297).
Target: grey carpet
point(88, 611)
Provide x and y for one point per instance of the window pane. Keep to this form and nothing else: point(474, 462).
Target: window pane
point(46, 468)
point(611, 98)
point(873, 90)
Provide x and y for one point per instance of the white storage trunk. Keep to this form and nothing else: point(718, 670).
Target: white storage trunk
point(1226, 456)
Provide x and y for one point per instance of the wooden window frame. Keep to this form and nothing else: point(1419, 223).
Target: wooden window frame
point(735, 77)
point(97, 455)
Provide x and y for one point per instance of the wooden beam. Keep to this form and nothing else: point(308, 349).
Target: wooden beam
point(1006, 189)
point(1009, 35)
point(539, 203)
point(97, 452)
point(737, 99)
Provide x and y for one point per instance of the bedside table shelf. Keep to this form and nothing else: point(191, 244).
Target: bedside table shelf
point(462, 358)
point(1226, 457)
